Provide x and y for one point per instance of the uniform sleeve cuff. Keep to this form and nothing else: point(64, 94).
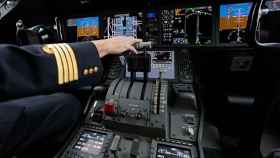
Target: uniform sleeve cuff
point(90, 68)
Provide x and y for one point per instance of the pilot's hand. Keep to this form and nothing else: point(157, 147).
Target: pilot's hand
point(116, 45)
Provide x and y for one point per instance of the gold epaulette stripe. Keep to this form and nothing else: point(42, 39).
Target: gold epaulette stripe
point(50, 49)
point(69, 61)
point(64, 63)
point(74, 60)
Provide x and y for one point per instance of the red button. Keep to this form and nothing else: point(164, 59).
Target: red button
point(109, 108)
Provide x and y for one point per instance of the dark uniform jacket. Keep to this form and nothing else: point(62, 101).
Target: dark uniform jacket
point(30, 70)
point(26, 116)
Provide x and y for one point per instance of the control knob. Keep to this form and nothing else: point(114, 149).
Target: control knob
point(189, 131)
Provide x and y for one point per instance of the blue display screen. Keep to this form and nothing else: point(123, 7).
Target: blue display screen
point(87, 28)
point(151, 15)
point(234, 16)
point(238, 9)
point(87, 22)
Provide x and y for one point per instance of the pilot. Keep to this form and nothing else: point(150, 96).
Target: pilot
point(34, 111)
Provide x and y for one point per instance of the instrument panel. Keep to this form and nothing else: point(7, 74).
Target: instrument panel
point(196, 25)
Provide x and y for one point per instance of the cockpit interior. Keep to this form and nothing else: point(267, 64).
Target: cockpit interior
point(204, 86)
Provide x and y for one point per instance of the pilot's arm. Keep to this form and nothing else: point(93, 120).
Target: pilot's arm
point(34, 69)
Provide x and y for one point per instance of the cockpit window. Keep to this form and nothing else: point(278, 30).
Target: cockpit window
point(268, 25)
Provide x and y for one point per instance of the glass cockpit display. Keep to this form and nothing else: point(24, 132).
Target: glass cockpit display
point(197, 18)
point(84, 29)
point(170, 26)
point(90, 142)
point(185, 26)
point(166, 151)
point(181, 26)
point(151, 27)
point(121, 25)
point(233, 22)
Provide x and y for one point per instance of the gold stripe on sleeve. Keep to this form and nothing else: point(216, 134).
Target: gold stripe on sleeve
point(64, 63)
point(69, 61)
point(49, 49)
point(73, 57)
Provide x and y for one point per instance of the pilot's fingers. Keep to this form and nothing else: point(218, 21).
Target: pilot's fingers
point(137, 40)
point(132, 49)
point(132, 40)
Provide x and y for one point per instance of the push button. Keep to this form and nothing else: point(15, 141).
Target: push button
point(109, 108)
point(86, 72)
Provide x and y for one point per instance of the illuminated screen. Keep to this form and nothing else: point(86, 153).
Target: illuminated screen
point(151, 28)
point(151, 15)
point(90, 142)
point(234, 16)
point(166, 151)
point(121, 25)
point(162, 64)
point(86, 28)
point(196, 20)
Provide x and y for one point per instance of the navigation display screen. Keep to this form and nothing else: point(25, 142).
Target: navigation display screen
point(197, 19)
point(186, 26)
